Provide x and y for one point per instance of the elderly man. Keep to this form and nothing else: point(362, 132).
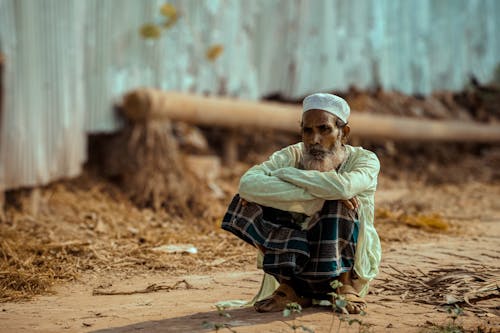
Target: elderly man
point(309, 210)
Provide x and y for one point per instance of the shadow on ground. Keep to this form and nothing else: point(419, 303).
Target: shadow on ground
point(195, 322)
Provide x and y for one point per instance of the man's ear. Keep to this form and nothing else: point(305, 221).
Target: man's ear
point(345, 131)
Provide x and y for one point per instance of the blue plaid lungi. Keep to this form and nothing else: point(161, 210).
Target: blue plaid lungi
point(307, 258)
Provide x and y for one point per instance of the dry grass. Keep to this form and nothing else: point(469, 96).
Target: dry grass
point(32, 270)
point(89, 225)
point(146, 157)
point(431, 221)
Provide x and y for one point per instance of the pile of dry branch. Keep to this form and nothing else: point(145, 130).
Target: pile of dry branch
point(467, 287)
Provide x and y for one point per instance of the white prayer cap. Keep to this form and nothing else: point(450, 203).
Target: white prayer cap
point(329, 103)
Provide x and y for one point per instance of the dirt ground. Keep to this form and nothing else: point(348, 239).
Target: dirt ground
point(448, 252)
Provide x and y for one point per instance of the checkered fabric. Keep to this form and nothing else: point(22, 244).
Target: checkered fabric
point(308, 258)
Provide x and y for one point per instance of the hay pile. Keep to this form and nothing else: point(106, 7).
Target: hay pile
point(32, 269)
point(146, 157)
point(90, 225)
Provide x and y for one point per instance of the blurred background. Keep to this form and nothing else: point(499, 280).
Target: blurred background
point(65, 64)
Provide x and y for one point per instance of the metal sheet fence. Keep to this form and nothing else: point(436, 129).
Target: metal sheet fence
point(68, 61)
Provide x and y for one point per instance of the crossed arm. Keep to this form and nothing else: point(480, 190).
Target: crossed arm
point(277, 183)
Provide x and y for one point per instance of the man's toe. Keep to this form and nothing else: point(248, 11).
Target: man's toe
point(355, 307)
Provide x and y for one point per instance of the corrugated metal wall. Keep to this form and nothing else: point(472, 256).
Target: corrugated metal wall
point(68, 61)
point(42, 135)
point(117, 58)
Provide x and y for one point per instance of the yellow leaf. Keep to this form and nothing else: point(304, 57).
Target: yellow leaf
point(150, 31)
point(169, 10)
point(432, 221)
point(384, 213)
point(214, 52)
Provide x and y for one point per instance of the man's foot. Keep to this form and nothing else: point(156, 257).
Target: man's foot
point(355, 304)
point(350, 292)
point(280, 298)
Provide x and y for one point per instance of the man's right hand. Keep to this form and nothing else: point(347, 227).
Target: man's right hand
point(351, 203)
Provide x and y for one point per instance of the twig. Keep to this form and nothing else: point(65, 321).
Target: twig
point(149, 289)
point(397, 270)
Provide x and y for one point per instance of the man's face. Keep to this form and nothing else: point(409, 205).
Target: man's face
point(320, 133)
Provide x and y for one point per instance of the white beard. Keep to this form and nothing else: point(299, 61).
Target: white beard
point(325, 161)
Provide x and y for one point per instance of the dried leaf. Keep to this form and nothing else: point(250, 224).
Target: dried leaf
point(168, 10)
point(432, 221)
point(151, 31)
point(214, 52)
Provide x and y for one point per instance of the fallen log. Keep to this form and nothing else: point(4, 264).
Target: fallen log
point(148, 104)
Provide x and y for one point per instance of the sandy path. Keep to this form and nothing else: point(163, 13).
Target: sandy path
point(73, 308)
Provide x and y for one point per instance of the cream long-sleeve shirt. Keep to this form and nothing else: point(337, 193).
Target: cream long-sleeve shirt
point(279, 183)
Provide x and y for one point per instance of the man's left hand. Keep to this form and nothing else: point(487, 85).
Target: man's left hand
point(351, 203)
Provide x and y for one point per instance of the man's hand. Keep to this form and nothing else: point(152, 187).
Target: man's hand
point(351, 203)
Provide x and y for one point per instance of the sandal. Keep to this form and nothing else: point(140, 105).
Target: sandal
point(280, 298)
point(355, 304)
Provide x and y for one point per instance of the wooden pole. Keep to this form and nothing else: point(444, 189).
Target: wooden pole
point(143, 104)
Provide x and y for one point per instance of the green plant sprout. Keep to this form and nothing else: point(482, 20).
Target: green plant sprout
point(221, 311)
point(454, 312)
point(217, 326)
point(292, 309)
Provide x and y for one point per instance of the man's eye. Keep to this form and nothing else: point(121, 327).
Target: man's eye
point(307, 130)
point(325, 129)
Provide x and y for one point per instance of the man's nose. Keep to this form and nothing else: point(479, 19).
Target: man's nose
point(316, 138)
